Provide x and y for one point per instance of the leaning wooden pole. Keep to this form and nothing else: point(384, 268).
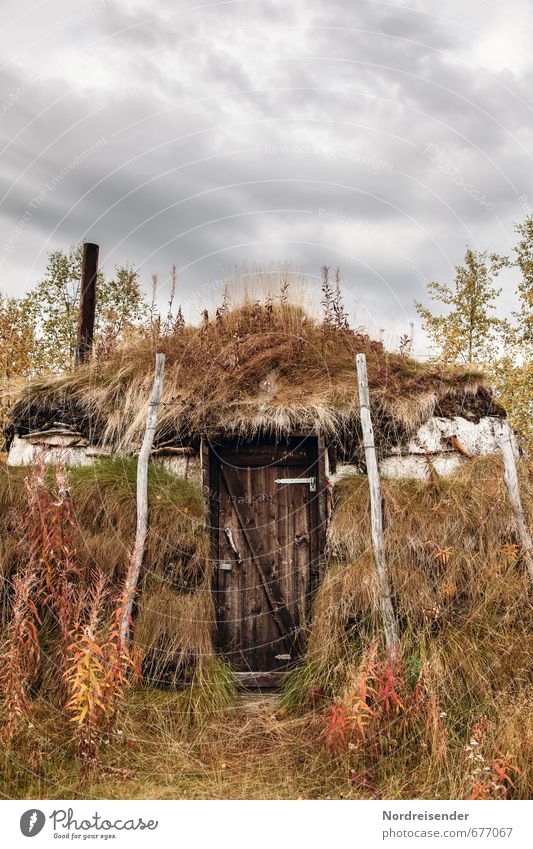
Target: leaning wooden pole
point(511, 480)
point(134, 568)
point(376, 511)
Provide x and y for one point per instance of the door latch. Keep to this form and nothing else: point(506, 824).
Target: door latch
point(310, 481)
point(222, 566)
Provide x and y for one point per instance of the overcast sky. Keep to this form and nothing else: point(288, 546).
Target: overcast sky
point(380, 137)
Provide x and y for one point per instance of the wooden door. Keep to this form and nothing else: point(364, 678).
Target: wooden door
point(267, 540)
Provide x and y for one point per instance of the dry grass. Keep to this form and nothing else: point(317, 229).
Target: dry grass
point(259, 367)
point(248, 750)
point(463, 599)
point(241, 752)
point(461, 592)
point(451, 550)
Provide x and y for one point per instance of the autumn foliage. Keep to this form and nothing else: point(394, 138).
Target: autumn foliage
point(380, 715)
point(21, 656)
point(52, 602)
point(97, 663)
point(376, 697)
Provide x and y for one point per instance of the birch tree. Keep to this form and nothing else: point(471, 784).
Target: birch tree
point(470, 331)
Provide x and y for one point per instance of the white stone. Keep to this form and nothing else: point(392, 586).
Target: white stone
point(417, 465)
point(344, 470)
point(72, 449)
point(183, 466)
point(24, 451)
point(56, 437)
point(432, 436)
point(432, 443)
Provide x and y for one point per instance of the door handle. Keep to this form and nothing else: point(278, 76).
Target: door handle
point(229, 537)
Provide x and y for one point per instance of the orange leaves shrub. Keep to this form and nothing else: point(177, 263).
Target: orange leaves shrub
point(336, 727)
point(49, 531)
point(42, 590)
point(96, 673)
point(379, 710)
point(383, 719)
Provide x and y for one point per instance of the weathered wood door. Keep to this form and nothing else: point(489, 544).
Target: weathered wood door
point(267, 534)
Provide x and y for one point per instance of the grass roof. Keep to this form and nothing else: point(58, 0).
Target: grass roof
point(263, 368)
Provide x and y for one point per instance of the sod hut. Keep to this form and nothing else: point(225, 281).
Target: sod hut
point(260, 406)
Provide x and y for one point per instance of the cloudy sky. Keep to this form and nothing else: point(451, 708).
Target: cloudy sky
point(381, 137)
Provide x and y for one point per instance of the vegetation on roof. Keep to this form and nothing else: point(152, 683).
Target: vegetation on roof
point(257, 368)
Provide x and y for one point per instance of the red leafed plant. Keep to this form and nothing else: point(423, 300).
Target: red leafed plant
point(43, 588)
point(20, 661)
point(390, 685)
point(335, 730)
point(48, 532)
point(93, 661)
point(380, 707)
point(497, 779)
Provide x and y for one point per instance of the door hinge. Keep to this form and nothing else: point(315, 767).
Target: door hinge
point(310, 481)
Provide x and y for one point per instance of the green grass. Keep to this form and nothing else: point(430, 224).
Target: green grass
point(119, 475)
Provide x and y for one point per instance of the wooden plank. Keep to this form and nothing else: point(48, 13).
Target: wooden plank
point(262, 559)
point(511, 481)
point(376, 509)
point(227, 583)
point(286, 538)
point(301, 539)
point(256, 625)
point(264, 459)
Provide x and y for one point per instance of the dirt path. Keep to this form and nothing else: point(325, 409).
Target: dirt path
point(253, 751)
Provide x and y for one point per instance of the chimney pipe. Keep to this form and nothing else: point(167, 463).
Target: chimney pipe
point(89, 271)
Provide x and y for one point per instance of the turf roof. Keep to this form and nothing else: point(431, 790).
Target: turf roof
point(256, 370)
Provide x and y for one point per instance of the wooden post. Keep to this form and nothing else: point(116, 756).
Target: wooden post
point(134, 568)
point(376, 512)
point(511, 480)
point(89, 272)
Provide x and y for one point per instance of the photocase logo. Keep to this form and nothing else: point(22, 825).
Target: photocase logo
point(32, 822)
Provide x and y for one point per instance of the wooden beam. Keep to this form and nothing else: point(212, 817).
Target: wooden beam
point(376, 510)
point(511, 480)
point(134, 568)
point(89, 273)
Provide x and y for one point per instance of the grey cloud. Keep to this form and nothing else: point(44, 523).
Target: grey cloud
point(309, 143)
